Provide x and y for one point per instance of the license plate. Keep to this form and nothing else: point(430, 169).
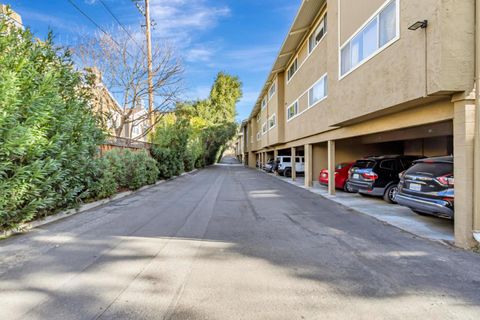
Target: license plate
point(415, 187)
point(356, 176)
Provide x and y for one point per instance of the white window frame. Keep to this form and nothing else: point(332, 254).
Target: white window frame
point(310, 51)
point(306, 42)
point(274, 87)
point(324, 78)
point(289, 78)
point(264, 128)
point(296, 114)
point(274, 117)
point(264, 102)
point(258, 136)
point(380, 49)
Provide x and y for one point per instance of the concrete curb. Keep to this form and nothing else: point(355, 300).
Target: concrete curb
point(23, 228)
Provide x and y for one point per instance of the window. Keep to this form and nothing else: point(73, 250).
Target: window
point(376, 35)
point(318, 92)
point(317, 35)
point(388, 24)
point(258, 136)
point(264, 128)
point(292, 111)
point(264, 103)
point(293, 68)
point(272, 121)
point(286, 159)
point(272, 90)
point(387, 164)
point(258, 117)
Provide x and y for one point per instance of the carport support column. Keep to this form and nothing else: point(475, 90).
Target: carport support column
point(308, 166)
point(294, 163)
point(331, 167)
point(463, 142)
point(275, 155)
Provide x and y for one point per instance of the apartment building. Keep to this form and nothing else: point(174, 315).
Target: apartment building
point(356, 78)
point(10, 16)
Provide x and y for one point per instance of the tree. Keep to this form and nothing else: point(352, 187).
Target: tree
point(48, 135)
point(122, 64)
point(220, 107)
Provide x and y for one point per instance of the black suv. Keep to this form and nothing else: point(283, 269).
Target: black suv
point(427, 187)
point(378, 175)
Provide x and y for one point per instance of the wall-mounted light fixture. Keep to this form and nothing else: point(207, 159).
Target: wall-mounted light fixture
point(419, 24)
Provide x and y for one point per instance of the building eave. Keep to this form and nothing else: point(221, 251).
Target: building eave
point(305, 17)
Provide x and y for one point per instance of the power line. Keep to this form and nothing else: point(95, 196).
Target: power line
point(98, 26)
point(121, 25)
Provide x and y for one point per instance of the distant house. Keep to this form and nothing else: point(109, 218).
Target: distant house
point(11, 16)
point(111, 112)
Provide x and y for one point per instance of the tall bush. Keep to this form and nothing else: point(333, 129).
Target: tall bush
point(48, 135)
point(131, 170)
point(170, 145)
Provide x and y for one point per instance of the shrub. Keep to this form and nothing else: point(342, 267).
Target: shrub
point(48, 134)
point(131, 170)
point(104, 184)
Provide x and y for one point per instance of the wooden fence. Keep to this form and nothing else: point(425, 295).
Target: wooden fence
point(113, 142)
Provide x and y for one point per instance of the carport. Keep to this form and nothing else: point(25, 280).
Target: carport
point(428, 140)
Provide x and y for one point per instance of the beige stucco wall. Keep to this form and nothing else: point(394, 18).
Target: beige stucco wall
point(353, 14)
point(394, 77)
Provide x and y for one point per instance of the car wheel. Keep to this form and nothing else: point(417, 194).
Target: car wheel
point(346, 188)
point(391, 194)
point(287, 173)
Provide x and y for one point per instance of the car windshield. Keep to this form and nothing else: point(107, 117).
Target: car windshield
point(364, 164)
point(431, 169)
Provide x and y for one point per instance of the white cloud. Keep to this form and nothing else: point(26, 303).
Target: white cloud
point(199, 54)
point(180, 19)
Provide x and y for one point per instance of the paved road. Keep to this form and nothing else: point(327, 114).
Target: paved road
point(232, 243)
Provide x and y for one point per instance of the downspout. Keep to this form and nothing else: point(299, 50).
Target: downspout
point(476, 163)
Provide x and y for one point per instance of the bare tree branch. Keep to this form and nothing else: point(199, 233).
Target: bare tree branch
point(123, 70)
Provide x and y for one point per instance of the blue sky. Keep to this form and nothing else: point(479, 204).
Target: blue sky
point(241, 37)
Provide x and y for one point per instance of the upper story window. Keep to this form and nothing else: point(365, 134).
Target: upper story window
point(258, 117)
point(317, 35)
point(258, 136)
point(264, 128)
point(272, 90)
point(318, 91)
point(272, 121)
point(293, 68)
point(377, 34)
point(292, 111)
point(264, 103)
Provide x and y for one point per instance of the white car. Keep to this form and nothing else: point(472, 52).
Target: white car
point(285, 165)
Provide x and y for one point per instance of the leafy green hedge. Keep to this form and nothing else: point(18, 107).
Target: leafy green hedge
point(122, 170)
point(48, 135)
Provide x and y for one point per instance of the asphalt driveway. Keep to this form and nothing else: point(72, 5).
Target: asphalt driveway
point(232, 243)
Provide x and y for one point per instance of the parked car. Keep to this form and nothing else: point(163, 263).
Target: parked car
point(379, 176)
point(428, 187)
point(284, 164)
point(341, 175)
point(269, 166)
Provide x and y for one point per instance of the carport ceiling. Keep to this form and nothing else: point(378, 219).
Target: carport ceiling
point(304, 19)
point(424, 131)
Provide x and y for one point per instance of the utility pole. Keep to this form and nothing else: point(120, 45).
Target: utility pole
point(146, 12)
point(149, 62)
